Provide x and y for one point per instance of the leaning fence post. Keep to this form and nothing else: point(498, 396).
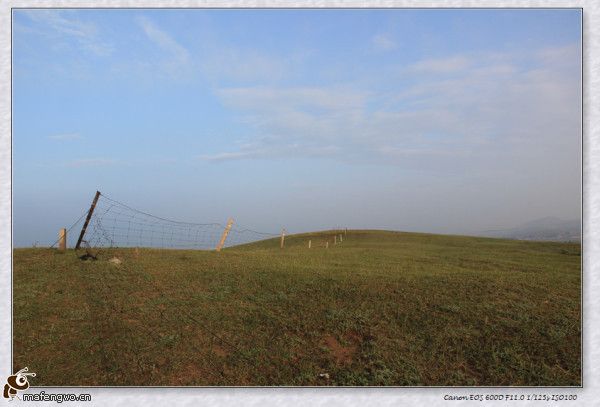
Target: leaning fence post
point(62, 239)
point(224, 235)
point(87, 219)
point(282, 238)
point(309, 243)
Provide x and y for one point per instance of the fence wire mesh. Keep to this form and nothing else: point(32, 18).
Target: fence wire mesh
point(114, 224)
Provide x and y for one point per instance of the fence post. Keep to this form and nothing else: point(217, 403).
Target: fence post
point(87, 219)
point(62, 239)
point(341, 238)
point(327, 244)
point(282, 238)
point(224, 235)
point(309, 243)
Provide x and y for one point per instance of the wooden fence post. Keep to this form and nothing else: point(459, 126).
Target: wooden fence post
point(309, 243)
point(62, 239)
point(87, 219)
point(282, 238)
point(341, 238)
point(224, 235)
point(327, 244)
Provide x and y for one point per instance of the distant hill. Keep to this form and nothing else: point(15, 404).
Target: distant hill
point(545, 229)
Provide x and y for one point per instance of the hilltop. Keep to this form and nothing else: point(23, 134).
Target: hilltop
point(380, 308)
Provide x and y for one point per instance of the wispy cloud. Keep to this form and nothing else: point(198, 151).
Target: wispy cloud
point(232, 63)
point(261, 98)
point(488, 111)
point(91, 162)
point(277, 151)
point(569, 52)
point(67, 24)
point(238, 155)
point(441, 65)
point(383, 43)
point(65, 137)
point(175, 53)
point(205, 59)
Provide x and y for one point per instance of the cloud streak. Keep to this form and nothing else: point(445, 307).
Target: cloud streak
point(65, 137)
point(91, 162)
point(457, 113)
point(175, 51)
point(170, 59)
point(383, 43)
point(64, 23)
point(441, 66)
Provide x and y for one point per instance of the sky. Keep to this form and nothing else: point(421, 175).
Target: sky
point(443, 121)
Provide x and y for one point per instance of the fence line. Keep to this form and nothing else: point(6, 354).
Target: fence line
point(110, 223)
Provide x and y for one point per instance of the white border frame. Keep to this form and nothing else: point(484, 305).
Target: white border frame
point(587, 395)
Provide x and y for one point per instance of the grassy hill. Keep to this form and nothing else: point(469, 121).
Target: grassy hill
point(381, 308)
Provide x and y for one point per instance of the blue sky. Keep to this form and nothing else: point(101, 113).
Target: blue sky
point(449, 121)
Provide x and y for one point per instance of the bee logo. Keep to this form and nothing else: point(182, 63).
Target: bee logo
point(16, 382)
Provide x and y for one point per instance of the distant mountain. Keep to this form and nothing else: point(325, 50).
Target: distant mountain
point(547, 229)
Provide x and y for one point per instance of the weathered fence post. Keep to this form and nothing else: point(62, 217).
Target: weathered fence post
point(224, 235)
point(327, 244)
point(62, 239)
point(341, 238)
point(309, 243)
point(87, 219)
point(282, 238)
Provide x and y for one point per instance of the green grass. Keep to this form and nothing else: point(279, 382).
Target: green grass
point(381, 308)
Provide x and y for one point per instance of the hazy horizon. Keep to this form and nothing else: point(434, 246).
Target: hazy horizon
point(447, 121)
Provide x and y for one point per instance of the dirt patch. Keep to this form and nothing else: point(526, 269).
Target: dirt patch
point(193, 375)
point(53, 319)
point(342, 354)
point(132, 323)
point(219, 351)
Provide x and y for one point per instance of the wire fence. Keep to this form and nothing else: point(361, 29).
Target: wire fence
point(115, 224)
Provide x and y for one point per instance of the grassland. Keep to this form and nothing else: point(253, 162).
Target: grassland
point(381, 308)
